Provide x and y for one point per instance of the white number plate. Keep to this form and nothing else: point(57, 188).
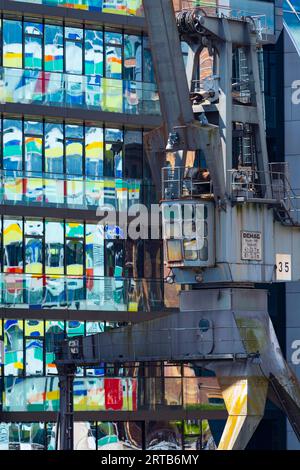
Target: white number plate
point(283, 267)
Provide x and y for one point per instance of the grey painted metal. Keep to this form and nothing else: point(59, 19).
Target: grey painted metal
point(65, 434)
point(227, 330)
point(225, 103)
point(168, 62)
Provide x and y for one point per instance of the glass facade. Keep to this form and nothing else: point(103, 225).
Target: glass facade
point(120, 7)
point(30, 382)
point(70, 265)
point(77, 166)
point(54, 65)
point(291, 16)
point(54, 263)
point(104, 435)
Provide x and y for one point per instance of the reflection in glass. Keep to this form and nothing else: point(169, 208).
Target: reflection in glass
point(13, 245)
point(119, 435)
point(74, 157)
point(34, 357)
point(93, 52)
point(54, 51)
point(132, 57)
point(12, 44)
point(33, 45)
point(34, 328)
point(54, 148)
point(94, 152)
point(113, 62)
point(73, 50)
point(22, 436)
point(33, 154)
point(12, 144)
point(54, 252)
point(197, 435)
point(13, 347)
point(162, 435)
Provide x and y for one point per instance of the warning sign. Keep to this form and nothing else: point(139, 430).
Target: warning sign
point(251, 246)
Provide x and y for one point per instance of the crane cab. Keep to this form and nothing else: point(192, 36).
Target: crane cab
point(188, 233)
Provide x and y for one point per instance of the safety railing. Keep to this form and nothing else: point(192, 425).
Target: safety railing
point(248, 184)
point(185, 182)
point(243, 90)
point(262, 13)
point(88, 292)
point(75, 192)
point(78, 91)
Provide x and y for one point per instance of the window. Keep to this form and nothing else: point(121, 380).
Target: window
point(54, 247)
point(12, 44)
point(113, 163)
point(148, 67)
point(74, 248)
point(12, 144)
point(74, 150)
point(113, 55)
point(33, 40)
point(13, 347)
point(73, 53)
point(93, 52)
point(78, 51)
point(54, 49)
point(94, 152)
point(34, 230)
point(54, 148)
point(132, 57)
point(13, 246)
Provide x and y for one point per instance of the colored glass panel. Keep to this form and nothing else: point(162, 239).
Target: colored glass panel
point(13, 246)
point(34, 357)
point(94, 152)
point(113, 62)
point(54, 49)
point(74, 157)
point(54, 250)
point(54, 148)
point(33, 45)
point(119, 7)
point(12, 144)
point(13, 347)
point(34, 328)
point(132, 57)
point(93, 52)
point(33, 154)
point(12, 44)
point(73, 50)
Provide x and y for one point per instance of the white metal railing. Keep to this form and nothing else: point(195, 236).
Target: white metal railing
point(180, 182)
point(248, 184)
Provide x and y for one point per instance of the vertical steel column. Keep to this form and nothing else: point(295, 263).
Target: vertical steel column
point(66, 413)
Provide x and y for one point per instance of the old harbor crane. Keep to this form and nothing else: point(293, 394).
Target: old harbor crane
point(229, 224)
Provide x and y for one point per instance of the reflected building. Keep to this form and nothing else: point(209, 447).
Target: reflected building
point(77, 95)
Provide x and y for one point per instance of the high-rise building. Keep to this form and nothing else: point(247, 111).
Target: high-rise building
point(78, 93)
